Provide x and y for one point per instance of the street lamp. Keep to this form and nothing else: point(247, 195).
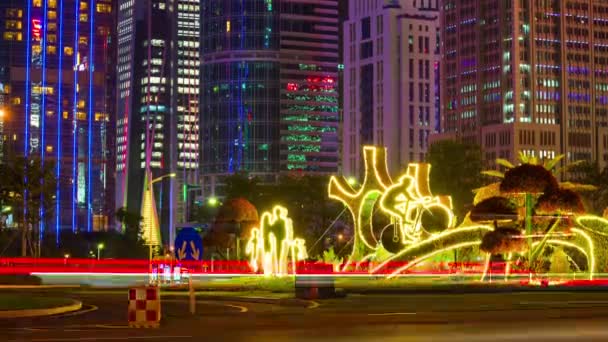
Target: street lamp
point(171, 175)
point(99, 248)
point(351, 181)
point(213, 201)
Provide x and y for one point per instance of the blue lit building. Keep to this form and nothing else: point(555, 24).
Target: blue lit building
point(56, 91)
point(269, 89)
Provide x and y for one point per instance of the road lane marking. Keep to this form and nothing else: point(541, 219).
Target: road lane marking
point(392, 314)
point(107, 326)
point(242, 308)
point(166, 338)
point(567, 302)
point(313, 305)
point(81, 312)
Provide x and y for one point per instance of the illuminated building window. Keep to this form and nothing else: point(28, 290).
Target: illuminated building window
point(51, 27)
point(81, 104)
point(81, 116)
point(51, 38)
point(14, 13)
point(13, 36)
point(101, 117)
point(13, 25)
point(49, 149)
point(37, 49)
point(52, 15)
point(68, 50)
point(47, 90)
point(16, 100)
point(227, 25)
point(104, 8)
point(37, 3)
point(50, 113)
point(65, 115)
point(84, 6)
point(52, 3)
point(84, 17)
point(83, 40)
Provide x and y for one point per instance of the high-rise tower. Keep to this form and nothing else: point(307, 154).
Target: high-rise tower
point(270, 88)
point(526, 76)
point(158, 106)
point(391, 80)
point(55, 58)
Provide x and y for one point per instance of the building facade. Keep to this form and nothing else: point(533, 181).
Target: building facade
point(391, 80)
point(270, 89)
point(56, 80)
point(158, 106)
point(529, 76)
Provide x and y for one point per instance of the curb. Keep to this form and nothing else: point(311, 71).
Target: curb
point(35, 287)
point(75, 306)
point(480, 290)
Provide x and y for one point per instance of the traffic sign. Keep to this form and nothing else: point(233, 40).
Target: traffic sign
point(188, 245)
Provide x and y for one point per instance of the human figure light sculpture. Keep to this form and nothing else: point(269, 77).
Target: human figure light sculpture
point(272, 245)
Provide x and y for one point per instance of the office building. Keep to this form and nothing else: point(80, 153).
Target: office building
point(528, 76)
point(391, 80)
point(270, 89)
point(56, 78)
point(157, 107)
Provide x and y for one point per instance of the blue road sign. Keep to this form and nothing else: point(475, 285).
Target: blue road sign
point(188, 245)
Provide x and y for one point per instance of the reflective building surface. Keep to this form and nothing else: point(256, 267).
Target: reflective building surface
point(270, 89)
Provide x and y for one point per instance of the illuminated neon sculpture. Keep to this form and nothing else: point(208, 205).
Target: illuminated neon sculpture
point(273, 245)
point(405, 202)
point(408, 201)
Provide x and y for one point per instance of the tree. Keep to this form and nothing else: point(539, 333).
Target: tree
point(588, 172)
point(31, 187)
point(131, 223)
point(241, 185)
point(456, 167)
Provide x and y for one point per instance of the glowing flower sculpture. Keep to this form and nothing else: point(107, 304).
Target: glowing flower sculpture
point(272, 245)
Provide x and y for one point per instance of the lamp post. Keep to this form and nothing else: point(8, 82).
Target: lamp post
point(99, 249)
point(2, 115)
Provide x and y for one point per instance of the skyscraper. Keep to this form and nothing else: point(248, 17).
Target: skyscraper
point(55, 58)
point(270, 90)
point(391, 80)
point(526, 76)
point(158, 106)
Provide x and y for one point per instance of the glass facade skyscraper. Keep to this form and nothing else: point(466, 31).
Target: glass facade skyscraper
point(270, 89)
point(240, 87)
point(56, 90)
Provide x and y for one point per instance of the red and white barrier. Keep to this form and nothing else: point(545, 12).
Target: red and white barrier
point(144, 307)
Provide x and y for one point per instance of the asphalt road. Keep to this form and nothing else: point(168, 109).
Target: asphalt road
point(447, 317)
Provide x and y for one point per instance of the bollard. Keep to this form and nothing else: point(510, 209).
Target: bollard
point(144, 307)
point(192, 296)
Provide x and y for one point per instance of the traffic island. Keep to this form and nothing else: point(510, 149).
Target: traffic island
point(21, 306)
